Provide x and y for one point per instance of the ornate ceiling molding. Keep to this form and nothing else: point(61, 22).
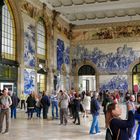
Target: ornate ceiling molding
point(82, 12)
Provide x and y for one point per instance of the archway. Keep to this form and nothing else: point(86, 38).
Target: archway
point(131, 72)
point(86, 76)
point(136, 78)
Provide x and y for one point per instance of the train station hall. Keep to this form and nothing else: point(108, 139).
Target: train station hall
point(69, 69)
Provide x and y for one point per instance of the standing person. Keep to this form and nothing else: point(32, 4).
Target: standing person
point(0, 92)
point(6, 102)
point(45, 102)
point(54, 101)
point(95, 108)
point(107, 100)
point(76, 102)
point(15, 101)
point(71, 104)
point(86, 104)
point(38, 105)
point(137, 117)
point(22, 99)
point(30, 106)
point(131, 131)
point(0, 97)
point(63, 102)
point(119, 127)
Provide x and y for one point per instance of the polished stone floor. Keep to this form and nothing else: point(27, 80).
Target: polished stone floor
point(39, 129)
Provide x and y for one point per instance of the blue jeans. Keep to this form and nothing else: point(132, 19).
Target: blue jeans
point(30, 112)
point(138, 133)
point(38, 111)
point(13, 112)
point(94, 125)
point(54, 105)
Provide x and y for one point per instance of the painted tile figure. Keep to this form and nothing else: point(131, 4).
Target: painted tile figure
point(29, 81)
point(29, 47)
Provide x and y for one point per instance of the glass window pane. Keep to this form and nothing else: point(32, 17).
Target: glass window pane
point(41, 39)
point(8, 38)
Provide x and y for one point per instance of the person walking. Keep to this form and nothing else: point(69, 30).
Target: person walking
point(95, 108)
point(6, 102)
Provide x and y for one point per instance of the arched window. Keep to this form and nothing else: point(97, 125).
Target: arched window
point(41, 55)
point(8, 41)
point(41, 40)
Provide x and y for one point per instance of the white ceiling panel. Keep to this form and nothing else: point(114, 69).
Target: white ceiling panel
point(110, 14)
point(120, 13)
point(79, 2)
point(55, 3)
point(80, 16)
point(100, 15)
point(131, 12)
point(71, 17)
point(91, 16)
point(90, 1)
point(138, 11)
point(66, 2)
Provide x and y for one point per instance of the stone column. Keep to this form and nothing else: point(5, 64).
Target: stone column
point(51, 53)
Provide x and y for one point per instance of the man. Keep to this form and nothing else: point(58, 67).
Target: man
point(45, 102)
point(54, 101)
point(6, 102)
point(63, 101)
point(95, 107)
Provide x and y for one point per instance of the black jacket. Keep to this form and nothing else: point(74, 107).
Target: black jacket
point(123, 125)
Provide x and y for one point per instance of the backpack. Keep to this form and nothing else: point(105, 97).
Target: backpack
point(109, 134)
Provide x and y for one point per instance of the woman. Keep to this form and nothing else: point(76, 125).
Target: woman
point(86, 104)
point(137, 117)
point(119, 127)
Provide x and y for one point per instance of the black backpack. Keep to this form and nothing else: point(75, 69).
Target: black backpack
point(109, 134)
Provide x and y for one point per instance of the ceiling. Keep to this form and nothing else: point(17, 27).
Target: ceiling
point(83, 12)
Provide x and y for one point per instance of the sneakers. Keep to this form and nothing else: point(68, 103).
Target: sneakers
point(6, 132)
point(91, 133)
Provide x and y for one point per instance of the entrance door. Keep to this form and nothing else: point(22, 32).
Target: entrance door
point(10, 86)
point(87, 78)
point(136, 78)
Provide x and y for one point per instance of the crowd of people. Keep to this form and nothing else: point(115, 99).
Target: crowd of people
point(68, 105)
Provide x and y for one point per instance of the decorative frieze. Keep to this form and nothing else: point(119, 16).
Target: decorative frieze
point(108, 33)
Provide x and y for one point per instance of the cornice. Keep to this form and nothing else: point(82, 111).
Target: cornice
point(120, 40)
point(90, 26)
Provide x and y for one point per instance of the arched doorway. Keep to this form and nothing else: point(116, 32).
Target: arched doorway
point(136, 77)
point(87, 78)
